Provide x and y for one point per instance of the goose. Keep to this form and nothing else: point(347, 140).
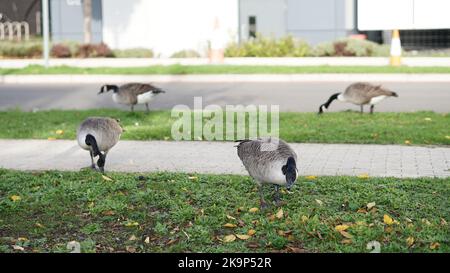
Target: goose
point(132, 93)
point(360, 93)
point(97, 135)
point(269, 160)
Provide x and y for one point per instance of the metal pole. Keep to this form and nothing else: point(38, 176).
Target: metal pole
point(45, 22)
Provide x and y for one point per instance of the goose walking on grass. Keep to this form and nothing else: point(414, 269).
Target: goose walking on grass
point(360, 93)
point(269, 160)
point(97, 135)
point(132, 93)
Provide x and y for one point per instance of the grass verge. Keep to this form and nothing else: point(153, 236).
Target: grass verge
point(175, 212)
point(419, 128)
point(217, 69)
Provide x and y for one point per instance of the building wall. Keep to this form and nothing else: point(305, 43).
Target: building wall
point(66, 22)
point(314, 21)
point(168, 26)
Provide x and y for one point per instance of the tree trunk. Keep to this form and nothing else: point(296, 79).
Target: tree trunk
point(87, 18)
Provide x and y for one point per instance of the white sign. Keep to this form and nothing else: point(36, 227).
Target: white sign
point(403, 14)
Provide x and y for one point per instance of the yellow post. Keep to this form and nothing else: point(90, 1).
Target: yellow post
point(396, 49)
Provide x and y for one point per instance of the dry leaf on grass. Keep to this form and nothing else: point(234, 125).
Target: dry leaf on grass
point(59, 132)
point(371, 205)
point(230, 217)
point(435, 245)
point(243, 236)
point(346, 234)
point(311, 177)
point(280, 214)
point(106, 178)
point(251, 232)
point(319, 202)
point(253, 210)
point(410, 241)
point(229, 238)
point(15, 198)
point(229, 225)
point(341, 227)
point(388, 219)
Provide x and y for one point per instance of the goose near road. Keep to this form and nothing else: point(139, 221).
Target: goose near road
point(269, 160)
point(132, 93)
point(360, 93)
point(97, 135)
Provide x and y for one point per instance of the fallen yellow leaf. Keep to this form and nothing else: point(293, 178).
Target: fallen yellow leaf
point(132, 238)
point(435, 245)
point(229, 225)
point(106, 178)
point(371, 205)
point(51, 138)
point(408, 142)
point(15, 198)
point(39, 225)
point(341, 227)
point(59, 132)
point(192, 177)
point(388, 219)
point(280, 214)
point(427, 119)
point(346, 241)
point(131, 224)
point(319, 202)
point(22, 239)
point(243, 236)
point(363, 176)
point(253, 210)
point(229, 238)
point(447, 137)
point(311, 177)
point(251, 232)
point(231, 217)
point(346, 234)
point(410, 241)
point(147, 240)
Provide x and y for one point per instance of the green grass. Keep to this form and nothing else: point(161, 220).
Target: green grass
point(186, 212)
point(419, 128)
point(218, 69)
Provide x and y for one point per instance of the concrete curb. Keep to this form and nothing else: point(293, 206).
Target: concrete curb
point(328, 77)
point(283, 61)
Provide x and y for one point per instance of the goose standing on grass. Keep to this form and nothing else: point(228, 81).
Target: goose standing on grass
point(97, 135)
point(132, 93)
point(360, 93)
point(269, 160)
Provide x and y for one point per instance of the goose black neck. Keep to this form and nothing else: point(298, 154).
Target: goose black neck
point(114, 88)
point(327, 104)
point(91, 141)
point(290, 166)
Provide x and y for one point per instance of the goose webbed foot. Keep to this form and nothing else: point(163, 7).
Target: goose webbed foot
point(277, 198)
point(147, 109)
point(263, 205)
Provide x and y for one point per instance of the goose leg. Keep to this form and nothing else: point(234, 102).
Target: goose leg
point(371, 108)
point(362, 109)
point(132, 108)
point(101, 162)
point(277, 196)
point(148, 110)
point(263, 203)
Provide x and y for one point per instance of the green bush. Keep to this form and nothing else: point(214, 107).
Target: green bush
point(22, 49)
point(188, 53)
point(268, 47)
point(133, 53)
point(350, 47)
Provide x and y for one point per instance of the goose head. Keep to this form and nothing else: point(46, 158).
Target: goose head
point(108, 87)
point(290, 172)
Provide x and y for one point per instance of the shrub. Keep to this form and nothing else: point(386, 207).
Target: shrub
point(188, 53)
point(133, 53)
point(268, 47)
point(350, 47)
point(94, 50)
point(20, 49)
point(60, 51)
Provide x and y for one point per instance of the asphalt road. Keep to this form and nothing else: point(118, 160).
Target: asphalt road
point(293, 96)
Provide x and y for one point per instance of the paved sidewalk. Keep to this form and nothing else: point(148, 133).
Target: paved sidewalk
point(221, 157)
point(285, 61)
